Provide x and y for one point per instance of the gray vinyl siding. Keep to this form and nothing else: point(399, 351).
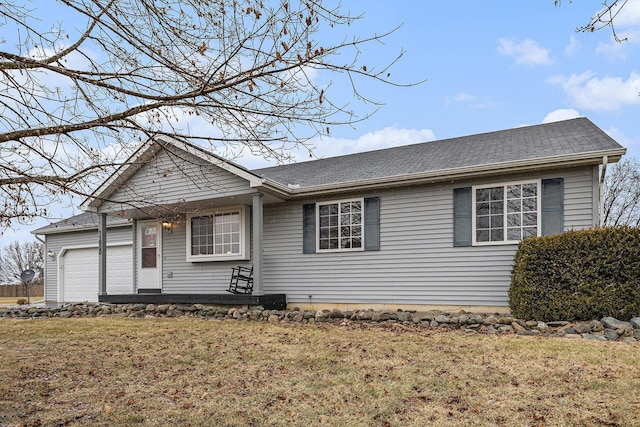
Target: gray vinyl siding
point(56, 242)
point(181, 276)
point(169, 179)
point(579, 199)
point(417, 262)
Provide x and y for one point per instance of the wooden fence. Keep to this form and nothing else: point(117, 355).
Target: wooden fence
point(8, 291)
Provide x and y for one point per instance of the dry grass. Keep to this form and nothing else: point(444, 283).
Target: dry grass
point(14, 300)
point(152, 372)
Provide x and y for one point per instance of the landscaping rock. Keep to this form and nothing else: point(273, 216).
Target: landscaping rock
point(476, 319)
point(612, 323)
point(609, 329)
point(505, 320)
point(558, 323)
point(404, 316)
point(594, 337)
point(441, 318)
point(611, 335)
point(517, 328)
point(541, 326)
point(274, 318)
point(491, 320)
point(381, 317)
point(323, 314)
point(421, 317)
point(505, 329)
point(596, 326)
point(582, 327)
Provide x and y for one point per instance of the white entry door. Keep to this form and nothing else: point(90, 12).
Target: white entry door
point(149, 257)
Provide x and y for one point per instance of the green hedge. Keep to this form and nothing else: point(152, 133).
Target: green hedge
point(577, 275)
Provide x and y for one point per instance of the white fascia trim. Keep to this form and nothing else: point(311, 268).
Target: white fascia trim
point(272, 186)
point(84, 227)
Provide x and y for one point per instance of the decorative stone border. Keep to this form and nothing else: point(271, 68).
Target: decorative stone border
point(605, 329)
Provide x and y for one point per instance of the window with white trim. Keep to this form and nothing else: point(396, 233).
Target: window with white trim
point(506, 213)
point(220, 235)
point(340, 225)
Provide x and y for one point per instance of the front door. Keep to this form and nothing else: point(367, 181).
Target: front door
point(149, 257)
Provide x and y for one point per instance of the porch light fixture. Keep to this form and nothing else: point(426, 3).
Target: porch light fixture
point(167, 226)
point(51, 255)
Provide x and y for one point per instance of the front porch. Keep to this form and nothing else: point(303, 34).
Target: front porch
point(269, 302)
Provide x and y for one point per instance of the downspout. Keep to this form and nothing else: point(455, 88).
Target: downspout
point(603, 174)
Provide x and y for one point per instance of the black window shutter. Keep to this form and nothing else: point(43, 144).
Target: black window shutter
point(309, 228)
point(462, 217)
point(552, 206)
point(372, 224)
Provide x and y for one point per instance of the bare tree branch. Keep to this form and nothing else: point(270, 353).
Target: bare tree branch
point(78, 97)
point(605, 18)
point(622, 194)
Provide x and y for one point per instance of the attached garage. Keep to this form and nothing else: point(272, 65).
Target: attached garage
point(71, 261)
point(78, 273)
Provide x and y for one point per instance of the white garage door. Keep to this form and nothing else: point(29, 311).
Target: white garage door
point(80, 273)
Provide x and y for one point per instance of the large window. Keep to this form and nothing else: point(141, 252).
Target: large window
point(340, 225)
point(220, 235)
point(506, 213)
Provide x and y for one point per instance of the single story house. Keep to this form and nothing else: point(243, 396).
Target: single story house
point(428, 225)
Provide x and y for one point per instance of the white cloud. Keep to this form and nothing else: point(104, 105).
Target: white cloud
point(331, 147)
point(470, 100)
point(605, 94)
point(572, 47)
point(527, 52)
point(561, 114)
point(612, 50)
point(463, 97)
point(626, 23)
point(629, 16)
point(632, 144)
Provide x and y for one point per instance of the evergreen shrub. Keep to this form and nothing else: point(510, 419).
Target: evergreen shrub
point(577, 275)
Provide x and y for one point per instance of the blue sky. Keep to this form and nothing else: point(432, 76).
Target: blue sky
point(488, 66)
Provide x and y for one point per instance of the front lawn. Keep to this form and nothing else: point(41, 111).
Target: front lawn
point(114, 371)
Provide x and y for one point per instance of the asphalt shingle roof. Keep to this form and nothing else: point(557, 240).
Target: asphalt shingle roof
point(86, 220)
point(563, 138)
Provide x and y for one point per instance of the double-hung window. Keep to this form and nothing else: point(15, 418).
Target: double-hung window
point(340, 225)
point(506, 213)
point(220, 235)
